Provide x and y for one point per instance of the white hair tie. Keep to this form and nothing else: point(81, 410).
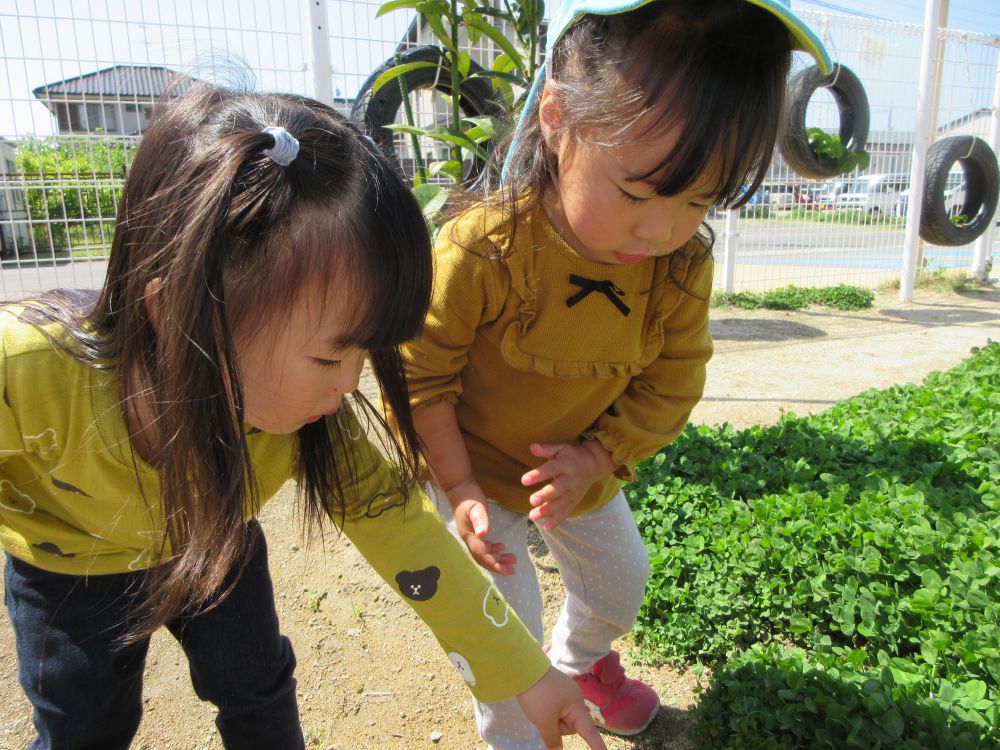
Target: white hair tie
point(285, 148)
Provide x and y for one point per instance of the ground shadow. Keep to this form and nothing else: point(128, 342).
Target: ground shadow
point(669, 731)
point(940, 315)
point(744, 329)
point(981, 295)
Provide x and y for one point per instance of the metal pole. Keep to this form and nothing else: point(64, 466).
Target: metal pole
point(730, 241)
point(984, 245)
point(322, 70)
point(921, 140)
point(942, 48)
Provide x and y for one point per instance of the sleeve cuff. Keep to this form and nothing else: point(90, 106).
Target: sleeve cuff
point(619, 454)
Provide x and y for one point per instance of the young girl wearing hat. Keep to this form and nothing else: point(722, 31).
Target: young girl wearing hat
point(568, 332)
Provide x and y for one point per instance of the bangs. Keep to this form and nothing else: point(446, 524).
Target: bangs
point(370, 250)
point(718, 89)
point(737, 123)
point(378, 256)
point(390, 257)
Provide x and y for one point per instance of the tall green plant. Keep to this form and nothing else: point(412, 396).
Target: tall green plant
point(513, 68)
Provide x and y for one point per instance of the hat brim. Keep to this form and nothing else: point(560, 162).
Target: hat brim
point(803, 37)
point(569, 12)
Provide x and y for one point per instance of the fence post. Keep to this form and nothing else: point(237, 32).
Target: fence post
point(731, 240)
point(322, 70)
point(984, 245)
point(921, 140)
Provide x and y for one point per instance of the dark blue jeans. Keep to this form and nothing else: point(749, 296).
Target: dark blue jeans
point(87, 690)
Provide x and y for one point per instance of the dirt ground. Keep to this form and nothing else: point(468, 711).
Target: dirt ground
point(371, 676)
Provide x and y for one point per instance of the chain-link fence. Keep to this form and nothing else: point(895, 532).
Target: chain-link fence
point(80, 78)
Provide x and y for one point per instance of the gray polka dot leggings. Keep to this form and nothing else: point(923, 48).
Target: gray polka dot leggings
point(603, 564)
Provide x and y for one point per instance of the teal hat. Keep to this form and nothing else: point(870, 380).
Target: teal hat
point(571, 11)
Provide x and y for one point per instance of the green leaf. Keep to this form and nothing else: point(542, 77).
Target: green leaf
point(892, 723)
point(435, 13)
point(975, 689)
point(452, 168)
point(396, 5)
point(799, 624)
point(464, 63)
point(482, 25)
point(431, 198)
point(401, 128)
point(397, 71)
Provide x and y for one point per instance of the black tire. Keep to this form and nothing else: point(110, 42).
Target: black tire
point(852, 103)
point(373, 111)
point(982, 183)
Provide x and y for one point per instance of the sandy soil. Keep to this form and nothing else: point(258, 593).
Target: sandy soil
point(371, 676)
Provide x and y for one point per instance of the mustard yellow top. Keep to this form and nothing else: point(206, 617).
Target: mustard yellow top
point(74, 499)
point(522, 366)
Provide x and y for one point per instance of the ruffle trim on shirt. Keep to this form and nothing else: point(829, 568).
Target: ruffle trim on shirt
point(522, 360)
point(521, 267)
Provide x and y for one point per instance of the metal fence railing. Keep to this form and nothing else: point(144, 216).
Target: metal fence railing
point(78, 81)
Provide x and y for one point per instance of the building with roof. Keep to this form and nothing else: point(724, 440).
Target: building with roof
point(115, 100)
point(13, 209)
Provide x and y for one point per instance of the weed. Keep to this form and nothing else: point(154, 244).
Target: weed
point(316, 598)
point(941, 280)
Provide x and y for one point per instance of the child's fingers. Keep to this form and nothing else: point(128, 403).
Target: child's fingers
point(551, 735)
point(480, 519)
point(551, 512)
point(547, 494)
point(561, 514)
point(578, 721)
point(545, 450)
point(482, 552)
point(535, 476)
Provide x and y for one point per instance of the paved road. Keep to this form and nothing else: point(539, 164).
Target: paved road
point(791, 243)
point(19, 278)
point(785, 243)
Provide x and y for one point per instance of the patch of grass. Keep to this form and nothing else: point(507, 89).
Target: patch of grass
point(840, 297)
point(839, 572)
point(853, 217)
point(942, 280)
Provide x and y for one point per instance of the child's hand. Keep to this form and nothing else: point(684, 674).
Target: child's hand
point(555, 706)
point(472, 520)
point(570, 471)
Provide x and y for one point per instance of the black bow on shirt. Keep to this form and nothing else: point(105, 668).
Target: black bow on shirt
point(605, 287)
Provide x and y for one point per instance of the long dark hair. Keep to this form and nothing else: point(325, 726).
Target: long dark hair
point(234, 239)
point(713, 71)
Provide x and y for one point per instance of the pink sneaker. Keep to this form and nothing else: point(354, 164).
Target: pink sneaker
point(617, 704)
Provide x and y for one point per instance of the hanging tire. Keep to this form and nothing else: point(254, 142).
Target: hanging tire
point(982, 183)
point(852, 103)
point(374, 110)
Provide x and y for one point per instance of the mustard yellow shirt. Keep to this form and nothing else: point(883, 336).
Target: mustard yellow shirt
point(523, 366)
point(75, 500)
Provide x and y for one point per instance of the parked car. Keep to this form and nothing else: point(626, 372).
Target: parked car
point(759, 205)
point(828, 192)
point(810, 195)
point(782, 194)
point(954, 194)
point(872, 194)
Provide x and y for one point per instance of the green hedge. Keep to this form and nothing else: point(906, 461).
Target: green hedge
point(864, 540)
